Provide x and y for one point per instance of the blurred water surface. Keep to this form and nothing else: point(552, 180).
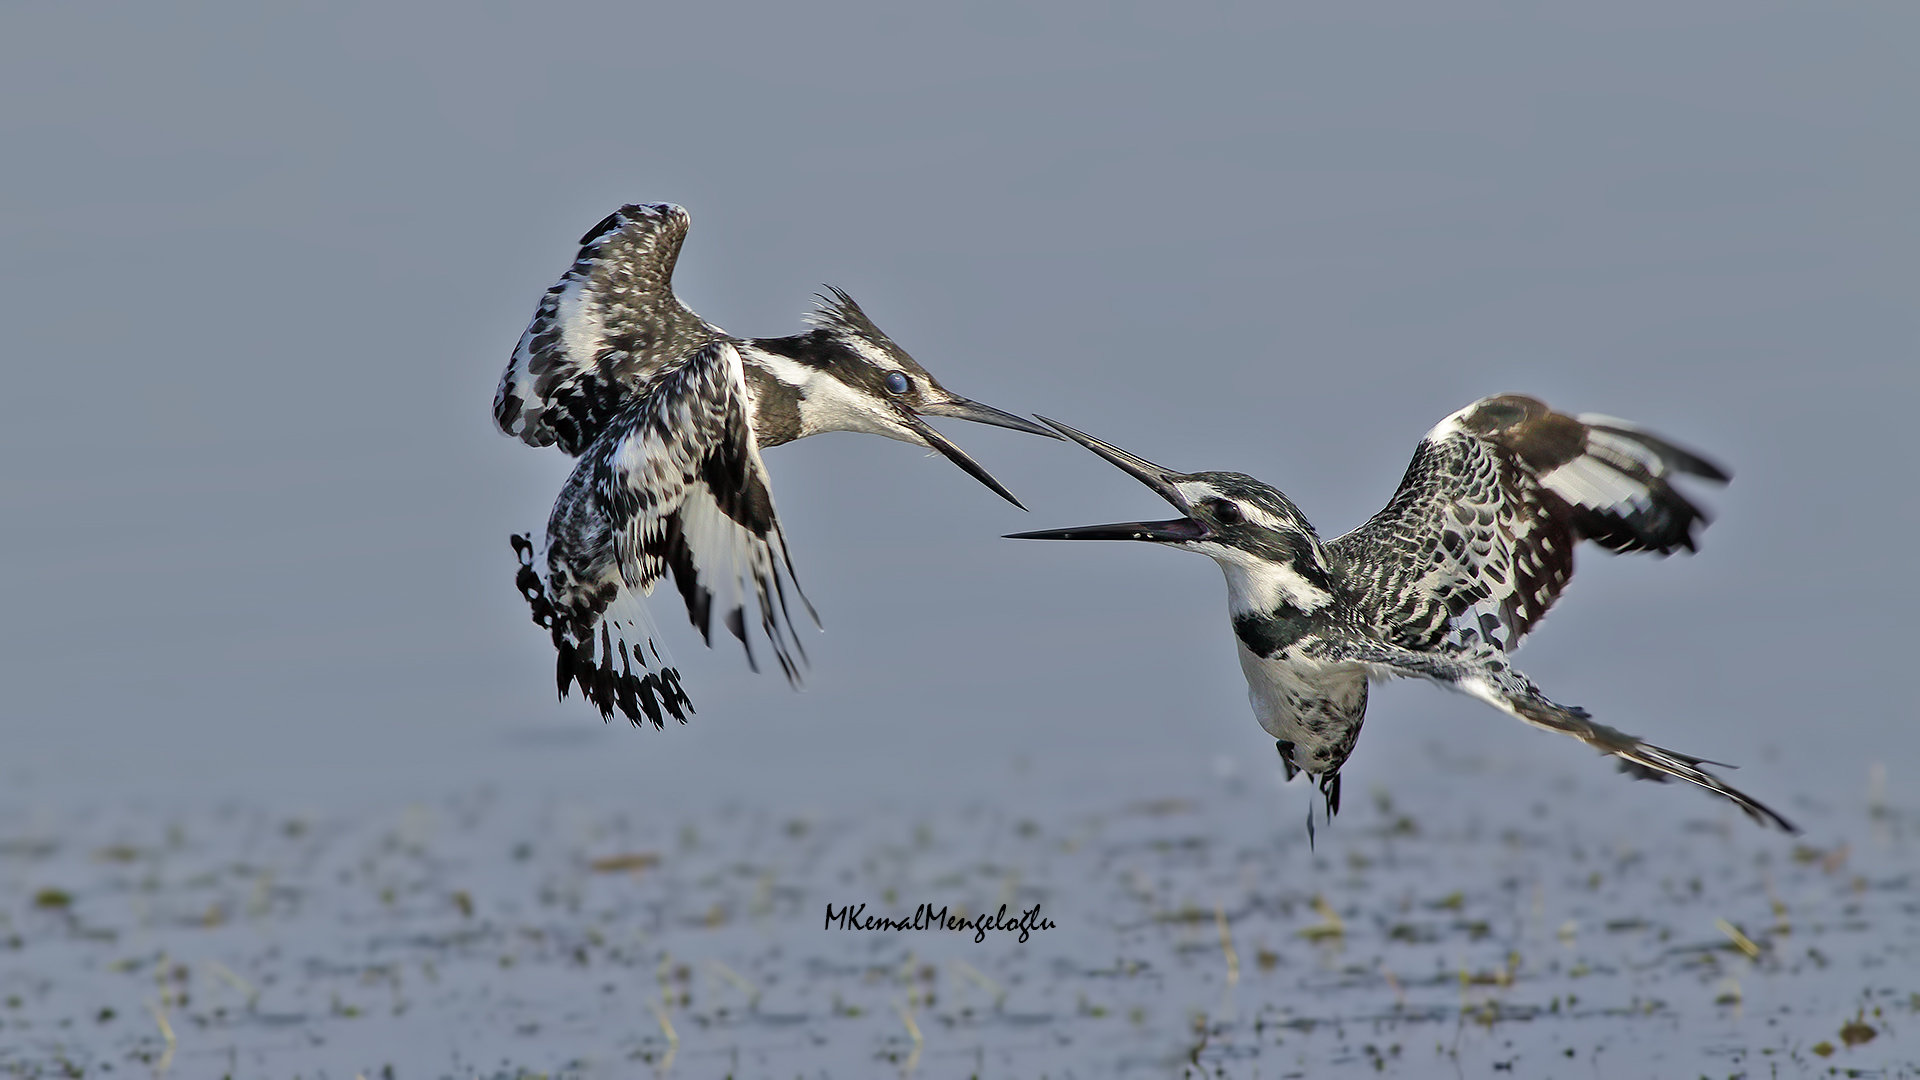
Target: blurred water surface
point(497, 935)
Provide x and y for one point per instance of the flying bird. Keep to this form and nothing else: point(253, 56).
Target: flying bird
point(667, 415)
point(1462, 563)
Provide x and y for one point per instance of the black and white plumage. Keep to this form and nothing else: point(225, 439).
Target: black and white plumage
point(1462, 563)
point(667, 415)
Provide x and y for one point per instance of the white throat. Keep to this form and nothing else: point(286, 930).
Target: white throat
point(1260, 586)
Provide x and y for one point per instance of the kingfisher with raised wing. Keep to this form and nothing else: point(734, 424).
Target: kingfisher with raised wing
point(1470, 553)
point(667, 415)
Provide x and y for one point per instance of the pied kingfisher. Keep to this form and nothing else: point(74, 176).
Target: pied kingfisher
point(667, 415)
point(1465, 559)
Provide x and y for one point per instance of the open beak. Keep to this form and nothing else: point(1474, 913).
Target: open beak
point(956, 455)
point(1161, 480)
point(962, 409)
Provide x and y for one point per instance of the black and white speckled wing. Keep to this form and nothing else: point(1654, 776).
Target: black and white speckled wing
point(1478, 542)
point(607, 328)
point(674, 485)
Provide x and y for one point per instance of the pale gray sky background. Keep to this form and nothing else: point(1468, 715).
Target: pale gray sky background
point(262, 268)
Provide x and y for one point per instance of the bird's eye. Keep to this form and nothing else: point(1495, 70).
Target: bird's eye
point(1227, 512)
point(897, 383)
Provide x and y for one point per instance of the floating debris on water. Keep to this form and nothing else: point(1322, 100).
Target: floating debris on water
point(631, 863)
point(1857, 1032)
point(1740, 940)
point(1330, 927)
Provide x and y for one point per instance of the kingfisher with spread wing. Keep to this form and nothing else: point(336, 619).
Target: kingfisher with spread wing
point(667, 415)
point(1440, 585)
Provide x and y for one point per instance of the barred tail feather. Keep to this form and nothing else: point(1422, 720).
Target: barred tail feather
point(602, 664)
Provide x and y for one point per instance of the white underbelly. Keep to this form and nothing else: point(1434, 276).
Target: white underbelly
point(1315, 706)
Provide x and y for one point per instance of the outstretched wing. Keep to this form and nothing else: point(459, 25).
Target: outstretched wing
point(1478, 542)
point(675, 485)
point(609, 326)
point(1484, 673)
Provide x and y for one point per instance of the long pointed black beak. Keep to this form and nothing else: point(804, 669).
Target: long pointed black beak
point(961, 409)
point(1160, 532)
point(956, 455)
point(1159, 478)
